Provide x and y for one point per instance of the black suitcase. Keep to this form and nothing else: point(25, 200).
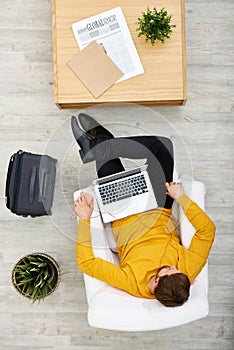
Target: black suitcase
point(30, 184)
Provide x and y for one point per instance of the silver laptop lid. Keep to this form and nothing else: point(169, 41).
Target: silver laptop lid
point(123, 205)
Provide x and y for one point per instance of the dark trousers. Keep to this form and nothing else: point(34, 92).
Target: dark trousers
point(158, 152)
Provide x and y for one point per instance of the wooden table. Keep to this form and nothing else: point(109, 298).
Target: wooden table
point(164, 79)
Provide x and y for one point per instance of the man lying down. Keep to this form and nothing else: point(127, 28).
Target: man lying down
point(153, 263)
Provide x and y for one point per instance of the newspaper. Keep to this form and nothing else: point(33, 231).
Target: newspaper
point(111, 32)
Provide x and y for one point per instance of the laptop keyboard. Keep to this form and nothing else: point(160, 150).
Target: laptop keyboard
point(122, 189)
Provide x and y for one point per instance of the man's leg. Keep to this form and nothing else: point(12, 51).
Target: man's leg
point(157, 150)
point(110, 167)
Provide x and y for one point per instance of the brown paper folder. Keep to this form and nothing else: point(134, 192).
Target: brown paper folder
point(95, 69)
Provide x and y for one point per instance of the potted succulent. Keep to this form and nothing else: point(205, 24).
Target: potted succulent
point(155, 25)
point(35, 276)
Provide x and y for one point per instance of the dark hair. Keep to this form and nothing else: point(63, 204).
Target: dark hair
point(172, 290)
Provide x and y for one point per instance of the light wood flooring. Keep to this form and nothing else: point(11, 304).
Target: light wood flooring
point(203, 134)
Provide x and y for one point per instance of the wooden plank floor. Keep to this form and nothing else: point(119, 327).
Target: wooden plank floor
point(203, 135)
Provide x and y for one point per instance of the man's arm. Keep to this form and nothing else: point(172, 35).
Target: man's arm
point(198, 252)
point(205, 228)
point(97, 267)
point(87, 262)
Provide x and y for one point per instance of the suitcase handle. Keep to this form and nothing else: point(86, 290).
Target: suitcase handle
point(32, 184)
point(44, 178)
point(42, 185)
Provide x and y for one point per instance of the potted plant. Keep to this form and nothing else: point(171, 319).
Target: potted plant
point(35, 276)
point(155, 25)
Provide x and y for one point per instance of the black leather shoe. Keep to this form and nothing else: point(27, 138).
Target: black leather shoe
point(93, 128)
point(85, 141)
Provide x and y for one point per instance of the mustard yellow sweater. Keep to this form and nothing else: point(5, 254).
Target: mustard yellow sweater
point(146, 242)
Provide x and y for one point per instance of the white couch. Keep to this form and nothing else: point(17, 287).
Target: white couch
point(110, 308)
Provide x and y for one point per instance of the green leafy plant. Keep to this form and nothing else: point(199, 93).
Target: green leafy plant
point(35, 276)
point(155, 25)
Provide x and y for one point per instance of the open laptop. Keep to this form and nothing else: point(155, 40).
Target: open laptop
point(125, 193)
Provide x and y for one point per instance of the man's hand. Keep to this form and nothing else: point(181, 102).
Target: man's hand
point(174, 190)
point(84, 206)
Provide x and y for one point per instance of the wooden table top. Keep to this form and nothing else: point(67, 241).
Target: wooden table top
point(164, 78)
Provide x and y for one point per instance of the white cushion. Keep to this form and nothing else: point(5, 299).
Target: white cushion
point(111, 308)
